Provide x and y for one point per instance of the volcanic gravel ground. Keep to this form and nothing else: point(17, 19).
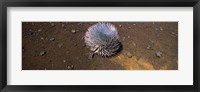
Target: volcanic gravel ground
point(60, 46)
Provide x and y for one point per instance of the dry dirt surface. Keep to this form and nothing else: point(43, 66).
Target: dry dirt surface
point(60, 46)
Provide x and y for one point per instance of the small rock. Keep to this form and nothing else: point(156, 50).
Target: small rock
point(42, 53)
point(84, 45)
point(161, 28)
point(42, 38)
point(68, 67)
point(30, 30)
point(129, 27)
point(134, 44)
point(148, 47)
point(73, 31)
point(120, 26)
point(151, 41)
point(67, 52)
point(173, 33)
point(158, 54)
point(128, 37)
point(134, 24)
point(52, 24)
point(64, 61)
point(63, 25)
point(128, 54)
point(39, 30)
point(72, 66)
point(52, 39)
point(60, 45)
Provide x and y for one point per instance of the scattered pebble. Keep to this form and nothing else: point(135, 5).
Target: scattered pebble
point(161, 28)
point(151, 41)
point(128, 54)
point(128, 37)
point(52, 39)
point(63, 25)
point(134, 24)
point(173, 33)
point(158, 54)
point(39, 30)
point(129, 27)
point(69, 67)
point(67, 52)
point(134, 44)
point(120, 26)
point(42, 53)
point(72, 66)
point(42, 38)
point(60, 45)
point(52, 24)
point(148, 47)
point(73, 31)
point(30, 30)
point(64, 61)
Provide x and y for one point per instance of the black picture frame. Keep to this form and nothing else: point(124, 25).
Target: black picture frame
point(100, 3)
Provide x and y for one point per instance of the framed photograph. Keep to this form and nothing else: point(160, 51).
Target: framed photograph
point(121, 45)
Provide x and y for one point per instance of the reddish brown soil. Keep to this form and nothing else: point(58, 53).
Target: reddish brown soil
point(54, 46)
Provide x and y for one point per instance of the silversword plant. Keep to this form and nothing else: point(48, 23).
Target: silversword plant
point(102, 39)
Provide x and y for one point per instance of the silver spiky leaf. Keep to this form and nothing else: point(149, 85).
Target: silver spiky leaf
point(103, 39)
